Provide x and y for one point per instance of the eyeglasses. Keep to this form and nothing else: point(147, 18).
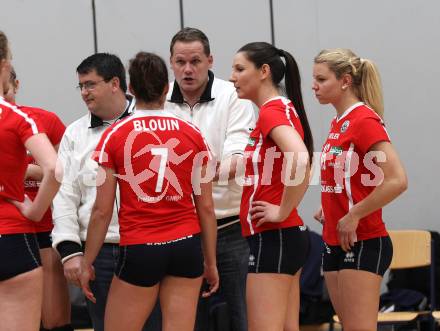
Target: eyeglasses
point(89, 86)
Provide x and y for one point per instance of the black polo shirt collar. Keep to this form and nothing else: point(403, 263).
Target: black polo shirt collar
point(177, 97)
point(96, 121)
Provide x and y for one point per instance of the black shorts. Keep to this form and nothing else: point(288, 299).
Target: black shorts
point(373, 255)
point(147, 264)
point(282, 251)
point(19, 253)
point(44, 239)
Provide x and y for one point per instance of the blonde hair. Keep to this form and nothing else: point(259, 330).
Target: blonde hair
point(364, 73)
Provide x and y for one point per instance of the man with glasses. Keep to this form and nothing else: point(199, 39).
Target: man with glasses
point(103, 88)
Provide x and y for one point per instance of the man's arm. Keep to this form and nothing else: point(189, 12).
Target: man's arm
point(65, 234)
point(241, 121)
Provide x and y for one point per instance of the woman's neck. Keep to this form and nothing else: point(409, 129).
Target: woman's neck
point(149, 105)
point(345, 103)
point(266, 93)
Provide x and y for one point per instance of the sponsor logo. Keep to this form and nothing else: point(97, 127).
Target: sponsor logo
point(331, 189)
point(336, 150)
point(327, 249)
point(251, 142)
point(251, 260)
point(168, 242)
point(349, 257)
point(327, 189)
point(336, 165)
point(333, 136)
point(345, 126)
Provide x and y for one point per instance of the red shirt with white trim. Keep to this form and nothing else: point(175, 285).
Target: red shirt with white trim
point(16, 126)
point(264, 165)
point(154, 155)
point(52, 126)
point(349, 172)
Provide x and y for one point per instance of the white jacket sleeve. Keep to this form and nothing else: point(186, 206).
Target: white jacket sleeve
point(68, 198)
point(241, 121)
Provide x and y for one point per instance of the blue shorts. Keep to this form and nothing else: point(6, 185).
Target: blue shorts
point(44, 239)
point(282, 251)
point(147, 264)
point(19, 253)
point(373, 255)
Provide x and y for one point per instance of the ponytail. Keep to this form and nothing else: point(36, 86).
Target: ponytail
point(292, 80)
point(370, 88)
point(260, 53)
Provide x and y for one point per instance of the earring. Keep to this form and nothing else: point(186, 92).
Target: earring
point(344, 87)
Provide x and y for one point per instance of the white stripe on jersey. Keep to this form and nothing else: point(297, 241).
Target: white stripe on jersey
point(381, 121)
point(349, 110)
point(256, 179)
point(22, 114)
point(115, 128)
point(347, 176)
point(286, 103)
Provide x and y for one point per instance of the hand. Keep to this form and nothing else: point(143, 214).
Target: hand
point(319, 216)
point(72, 269)
point(87, 274)
point(265, 212)
point(212, 278)
point(25, 207)
point(346, 228)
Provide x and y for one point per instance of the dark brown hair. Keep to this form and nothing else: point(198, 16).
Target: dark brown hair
point(148, 76)
point(188, 35)
point(260, 53)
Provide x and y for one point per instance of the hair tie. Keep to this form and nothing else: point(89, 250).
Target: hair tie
point(280, 52)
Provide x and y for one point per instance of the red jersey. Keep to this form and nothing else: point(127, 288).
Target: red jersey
point(16, 126)
point(348, 173)
point(52, 126)
point(154, 155)
point(264, 165)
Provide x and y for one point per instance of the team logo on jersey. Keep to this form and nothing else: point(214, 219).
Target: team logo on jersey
point(345, 126)
point(251, 142)
point(163, 154)
point(336, 150)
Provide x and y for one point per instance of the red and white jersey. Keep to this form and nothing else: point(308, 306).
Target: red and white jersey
point(52, 126)
point(264, 165)
point(154, 155)
point(348, 171)
point(16, 126)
